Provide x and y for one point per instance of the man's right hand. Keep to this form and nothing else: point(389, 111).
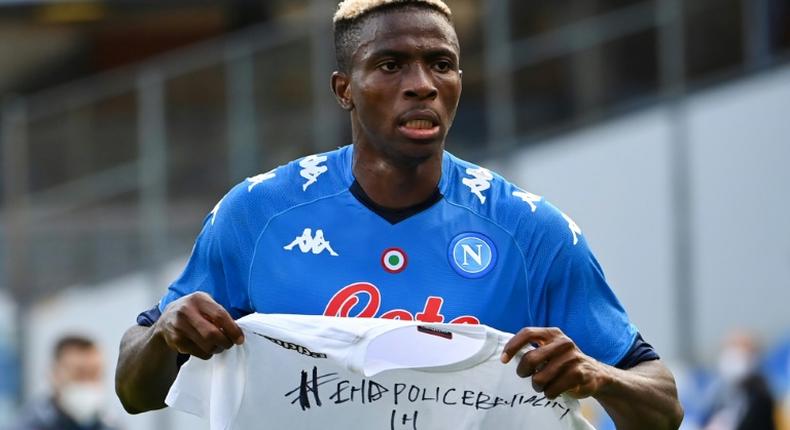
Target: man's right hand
point(197, 325)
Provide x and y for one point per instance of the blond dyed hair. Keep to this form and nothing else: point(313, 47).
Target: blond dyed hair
point(349, 10)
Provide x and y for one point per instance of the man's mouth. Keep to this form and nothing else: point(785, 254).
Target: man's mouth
point(420, 130)
point(420, 125)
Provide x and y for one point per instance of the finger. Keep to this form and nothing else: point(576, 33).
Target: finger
point(222, 319)
point(211, 333)
point(539, 335)
point(184, 345)
point(552, 370)
point(189, 332)
point(569, 378)
point(537, 358)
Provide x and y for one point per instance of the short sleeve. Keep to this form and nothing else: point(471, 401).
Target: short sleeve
point(191, 391)
point(569, 290)
point(212, 388)
point(220, 259)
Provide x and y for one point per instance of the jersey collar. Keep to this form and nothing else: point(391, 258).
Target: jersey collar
point(489, 345)
point(348, 171)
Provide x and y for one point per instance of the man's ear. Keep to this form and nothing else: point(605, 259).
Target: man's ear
point(341, 87)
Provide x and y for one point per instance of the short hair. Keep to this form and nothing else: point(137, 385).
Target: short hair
point(352, 14)
point(72, 341)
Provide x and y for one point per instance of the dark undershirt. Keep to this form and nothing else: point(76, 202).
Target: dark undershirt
point(393, 216)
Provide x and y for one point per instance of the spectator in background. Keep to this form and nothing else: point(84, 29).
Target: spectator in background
point(77, 396)
point(742, 400)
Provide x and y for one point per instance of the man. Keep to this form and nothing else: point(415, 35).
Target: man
point(741, 398)
point(78, 395)
point(394, 227)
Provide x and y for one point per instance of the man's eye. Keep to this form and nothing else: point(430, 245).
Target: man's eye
point(443, 66)
point(389, 66)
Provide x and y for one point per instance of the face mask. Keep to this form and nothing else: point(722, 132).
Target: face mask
point(82, 402)
point(735, 365)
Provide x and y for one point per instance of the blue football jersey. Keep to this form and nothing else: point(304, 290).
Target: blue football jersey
point(297, 240)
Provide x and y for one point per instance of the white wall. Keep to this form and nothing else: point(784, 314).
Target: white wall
point(741, 185)
point(614, 180)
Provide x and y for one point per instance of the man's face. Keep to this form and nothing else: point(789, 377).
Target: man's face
point(405, 83)
point(78, 366)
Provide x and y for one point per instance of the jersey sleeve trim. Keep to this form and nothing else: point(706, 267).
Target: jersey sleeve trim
point(639, 352)
point(148, 317)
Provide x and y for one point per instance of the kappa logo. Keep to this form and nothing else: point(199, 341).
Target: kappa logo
point(528, 198)
point(479, 182)
point(311, 169)
point(575, 229)
point(293, 347)
point(531, 199)
point(472, 255)
point(215, 210)
point(309, 243)
point(258, 179)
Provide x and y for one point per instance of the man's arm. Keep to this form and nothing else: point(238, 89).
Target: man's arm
point(147, 364)
point(146, 369)
point(653, 386)
point(643, 397)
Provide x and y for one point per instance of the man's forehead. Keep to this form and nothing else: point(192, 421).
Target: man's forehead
point(407, 45)
point(75, 354)
point(421, 29)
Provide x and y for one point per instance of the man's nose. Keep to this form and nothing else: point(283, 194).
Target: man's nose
point(419, 83)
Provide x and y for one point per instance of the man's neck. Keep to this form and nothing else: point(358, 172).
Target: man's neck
point(392, 184)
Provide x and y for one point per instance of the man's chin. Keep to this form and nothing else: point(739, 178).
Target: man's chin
point(419, 151)
point(423, 144)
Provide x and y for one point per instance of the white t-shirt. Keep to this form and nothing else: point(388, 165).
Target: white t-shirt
point(311, 372)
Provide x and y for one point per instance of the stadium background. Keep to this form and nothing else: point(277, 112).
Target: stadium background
point(661, 126)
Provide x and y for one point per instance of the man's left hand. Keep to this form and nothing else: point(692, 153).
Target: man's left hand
point(556, 365)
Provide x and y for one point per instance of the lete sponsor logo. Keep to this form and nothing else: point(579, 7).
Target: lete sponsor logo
point(344, 304)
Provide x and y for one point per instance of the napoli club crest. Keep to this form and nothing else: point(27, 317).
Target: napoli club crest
point(472, 255)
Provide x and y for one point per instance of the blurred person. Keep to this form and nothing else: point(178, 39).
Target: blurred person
point(78, 396)
point(742, 399)
point(394, 226)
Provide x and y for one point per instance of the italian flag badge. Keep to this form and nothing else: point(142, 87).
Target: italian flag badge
point(394, 260)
